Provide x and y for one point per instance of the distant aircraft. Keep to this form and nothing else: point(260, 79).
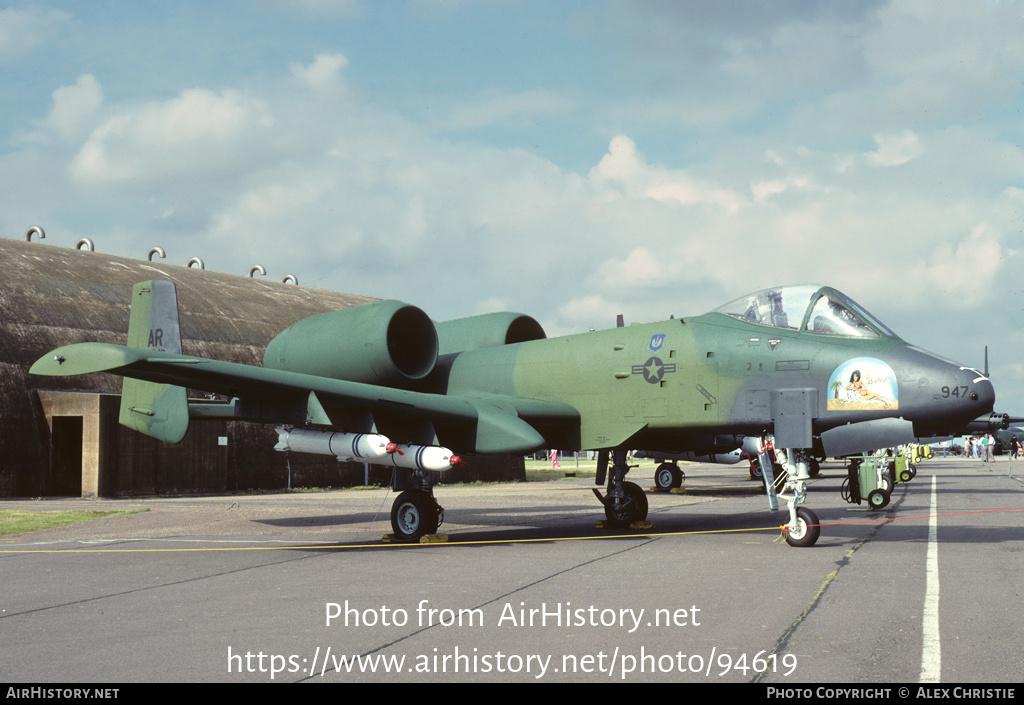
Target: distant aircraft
point(804, 364)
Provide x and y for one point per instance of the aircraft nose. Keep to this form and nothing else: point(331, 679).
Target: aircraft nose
point(951, 395)
point(973, 394)
point(972, 389)
point(982, 392)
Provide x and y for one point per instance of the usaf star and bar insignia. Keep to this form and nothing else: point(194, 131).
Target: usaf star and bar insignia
point(654, 370)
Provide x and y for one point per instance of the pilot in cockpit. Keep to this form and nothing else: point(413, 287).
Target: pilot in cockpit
point(768, 311)
point(777, 317)
point(753, 312)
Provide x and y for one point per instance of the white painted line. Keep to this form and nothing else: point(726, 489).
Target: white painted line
point(931, 653)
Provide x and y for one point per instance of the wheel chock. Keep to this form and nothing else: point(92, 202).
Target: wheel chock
point(635, 526)
point(678, 490)
point(428, 538)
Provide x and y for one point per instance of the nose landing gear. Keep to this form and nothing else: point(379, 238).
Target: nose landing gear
point(625, 503)
point(803, 528)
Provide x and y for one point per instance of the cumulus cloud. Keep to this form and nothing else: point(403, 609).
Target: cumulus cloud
point(960, 270)
point(592, 307)
point(763, 190)
point(324, 74)
point(624, 169)
point(74, 106)
point(21, 30)
point(894, 150)
point(197, 132)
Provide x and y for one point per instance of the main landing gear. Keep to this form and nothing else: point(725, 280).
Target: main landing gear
point(668, 476)
point(415, 513)
point(625, 503)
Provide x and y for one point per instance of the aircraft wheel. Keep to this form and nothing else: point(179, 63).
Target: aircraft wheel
point(844, 491)
point(807, 530)
point(622, 512)
point(886, 483)
point(664, 478)
point(913, 471)
point(414, 515)
point(877, 499)
point(755, 470)
point(815, 467)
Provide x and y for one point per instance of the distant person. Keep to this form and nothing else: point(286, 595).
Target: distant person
point(1014, 449)
point(554, 459)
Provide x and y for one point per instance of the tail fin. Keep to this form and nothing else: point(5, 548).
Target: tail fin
point(158, 410)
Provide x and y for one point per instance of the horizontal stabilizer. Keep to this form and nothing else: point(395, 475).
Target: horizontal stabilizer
point(86, 358)
point(158, 410)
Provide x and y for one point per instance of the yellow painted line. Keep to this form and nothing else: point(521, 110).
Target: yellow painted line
point(376, 545)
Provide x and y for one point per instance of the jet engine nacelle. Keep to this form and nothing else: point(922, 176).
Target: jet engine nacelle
point(385, 342)
point(487, 331)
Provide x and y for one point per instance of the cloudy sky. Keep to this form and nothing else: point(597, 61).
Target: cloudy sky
point(572, 160)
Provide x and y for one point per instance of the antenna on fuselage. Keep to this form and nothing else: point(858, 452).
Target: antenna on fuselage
point(620, 322)
point(986, 363)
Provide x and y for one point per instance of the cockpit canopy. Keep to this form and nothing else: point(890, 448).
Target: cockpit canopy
point(811, 308)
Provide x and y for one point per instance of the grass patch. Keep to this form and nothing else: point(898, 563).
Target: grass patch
point(14, 521)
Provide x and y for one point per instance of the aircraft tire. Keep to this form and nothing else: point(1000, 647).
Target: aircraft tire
point(755, 470)
point(667, 477)
point(632, 508)
point(886, 483)
point(807, 532)
point(878, 499)
point(664, 478)
point(414, 515)
point(815, 468)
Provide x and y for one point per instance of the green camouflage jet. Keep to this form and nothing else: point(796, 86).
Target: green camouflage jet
point(803, 364)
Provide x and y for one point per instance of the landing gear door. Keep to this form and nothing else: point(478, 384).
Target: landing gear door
point(793, 414)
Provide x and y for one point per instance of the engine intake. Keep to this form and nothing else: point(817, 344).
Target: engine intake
point(487, 331)
point(386, 342)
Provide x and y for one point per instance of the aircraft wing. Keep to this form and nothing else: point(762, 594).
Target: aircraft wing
point(489, 424)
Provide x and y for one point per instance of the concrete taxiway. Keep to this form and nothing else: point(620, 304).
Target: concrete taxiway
point(299, 587)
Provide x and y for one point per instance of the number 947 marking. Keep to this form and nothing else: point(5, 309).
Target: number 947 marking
point(955, 392)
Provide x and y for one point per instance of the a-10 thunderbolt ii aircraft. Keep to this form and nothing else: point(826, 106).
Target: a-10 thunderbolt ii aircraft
point(805, 364)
